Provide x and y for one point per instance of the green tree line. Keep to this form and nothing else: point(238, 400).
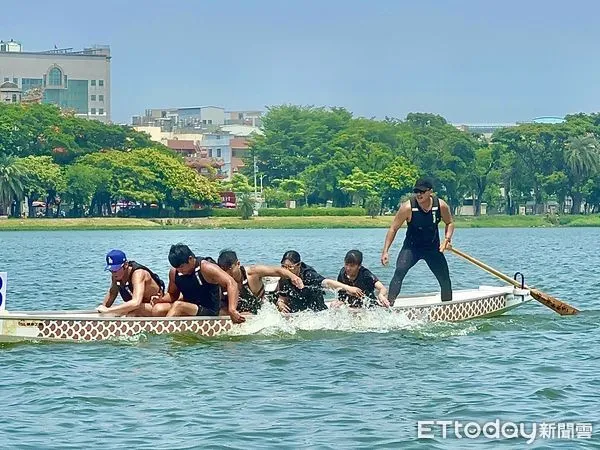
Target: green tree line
point(313, 155)
point(50, 156)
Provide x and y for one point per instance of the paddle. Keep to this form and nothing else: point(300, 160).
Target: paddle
point(562, 308)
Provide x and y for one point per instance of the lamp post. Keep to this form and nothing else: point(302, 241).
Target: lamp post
point(255, 174)
point(261, 183)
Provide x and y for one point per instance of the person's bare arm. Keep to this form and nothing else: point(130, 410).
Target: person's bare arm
point(449, 221)
point(382, 294)
point(172, 293)
point(401, 216)
point(138, 283)
point(272, 271)
point(111, 295)
point(333, 284)
point(215, 275)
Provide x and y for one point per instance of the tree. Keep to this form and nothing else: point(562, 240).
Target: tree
point(43, 179)
point(293, 189)
point(484, 171)
point(245, 205)
point(82, 182)
point(360, 185)
point(11, 183)
point(582, 160)
point(537, 150)
point(396, 180)
point(373, 205)
point(239, 184)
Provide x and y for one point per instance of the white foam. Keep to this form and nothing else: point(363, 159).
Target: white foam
point(270, 321)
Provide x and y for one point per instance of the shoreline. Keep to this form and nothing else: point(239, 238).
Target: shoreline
point(294, 222)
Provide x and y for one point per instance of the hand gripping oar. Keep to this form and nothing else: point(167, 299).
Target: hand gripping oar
point(562, 308)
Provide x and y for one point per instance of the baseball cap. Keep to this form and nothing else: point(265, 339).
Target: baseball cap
point(423, 184)
point(115, 260)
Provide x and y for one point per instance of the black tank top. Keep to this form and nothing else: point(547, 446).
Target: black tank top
point(197, 290)
point(248, 302)
point(126, 289)
point(422, 232)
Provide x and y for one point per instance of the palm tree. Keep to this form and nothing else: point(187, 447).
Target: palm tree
point(246, 205)
point(582, 159)
point(11, 181)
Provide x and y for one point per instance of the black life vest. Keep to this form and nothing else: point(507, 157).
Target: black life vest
point(126, 289)
point(195, 289)
point(422, 231)
point(247, 302)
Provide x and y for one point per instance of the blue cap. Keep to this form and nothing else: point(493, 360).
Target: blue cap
point(115, 260)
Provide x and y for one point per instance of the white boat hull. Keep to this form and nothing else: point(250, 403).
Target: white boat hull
point(88, 326)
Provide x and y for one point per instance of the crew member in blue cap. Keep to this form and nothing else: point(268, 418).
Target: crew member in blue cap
point(135, 283)
point(422, 213)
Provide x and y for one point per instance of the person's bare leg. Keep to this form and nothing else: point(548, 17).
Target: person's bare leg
point(161, 309)
point(144, 310)
point(180, 309)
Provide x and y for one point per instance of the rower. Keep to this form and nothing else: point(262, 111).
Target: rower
point(135, 283)
point(250, 280)
point(355, 274)
point(311, 297)
point(422, 213)
point(195, 285)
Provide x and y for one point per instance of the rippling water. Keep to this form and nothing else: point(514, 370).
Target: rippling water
point(317, 382)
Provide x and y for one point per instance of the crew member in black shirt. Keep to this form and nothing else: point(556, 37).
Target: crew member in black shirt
point(355, 274)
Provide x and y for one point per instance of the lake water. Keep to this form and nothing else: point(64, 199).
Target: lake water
point(319, 382)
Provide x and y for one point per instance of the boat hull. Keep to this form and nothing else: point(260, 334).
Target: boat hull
point(86, 326)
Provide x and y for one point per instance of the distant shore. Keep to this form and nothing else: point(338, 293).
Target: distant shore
point(115, 223)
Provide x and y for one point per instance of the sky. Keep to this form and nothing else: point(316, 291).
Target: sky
point(471, 61)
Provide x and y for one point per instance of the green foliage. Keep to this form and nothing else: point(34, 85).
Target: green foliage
point(82, 182)
point(43, 130)
point(239, 184)
point(360, 185)
point(311, 211)
point(12, 178)
point(293, 212)
point(373, 205)
point(275, 197)
point(396, 180)
point(245, 206)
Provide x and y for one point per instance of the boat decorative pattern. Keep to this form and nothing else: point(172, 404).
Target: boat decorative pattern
point(453, 312)
point(95, 330)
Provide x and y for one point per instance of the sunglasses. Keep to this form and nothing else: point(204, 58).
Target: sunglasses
point(419, 191)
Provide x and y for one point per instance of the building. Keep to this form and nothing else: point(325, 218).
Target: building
point(10, 92)
point(222, 147)
point(78, 81)
point(217, 146)
point(252, 118)
point(208, 118)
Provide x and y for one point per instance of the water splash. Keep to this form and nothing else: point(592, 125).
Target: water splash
point(269, 321)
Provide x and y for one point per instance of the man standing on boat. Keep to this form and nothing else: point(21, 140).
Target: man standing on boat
point(135, 283)
point(198, 281)
point(422, 213)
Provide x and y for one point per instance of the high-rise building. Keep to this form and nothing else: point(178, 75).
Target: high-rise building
point(78, 81)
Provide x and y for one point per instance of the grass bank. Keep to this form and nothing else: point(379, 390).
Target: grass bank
point(110, 223)
point(92, 223)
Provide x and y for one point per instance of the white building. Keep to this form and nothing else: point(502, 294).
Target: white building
point(73, 80)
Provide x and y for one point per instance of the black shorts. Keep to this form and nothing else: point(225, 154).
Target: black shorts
point(204, 311)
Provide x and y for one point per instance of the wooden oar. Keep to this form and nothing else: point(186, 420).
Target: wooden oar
point(562, 308)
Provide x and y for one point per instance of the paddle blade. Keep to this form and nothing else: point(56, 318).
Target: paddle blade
point(562, 308)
